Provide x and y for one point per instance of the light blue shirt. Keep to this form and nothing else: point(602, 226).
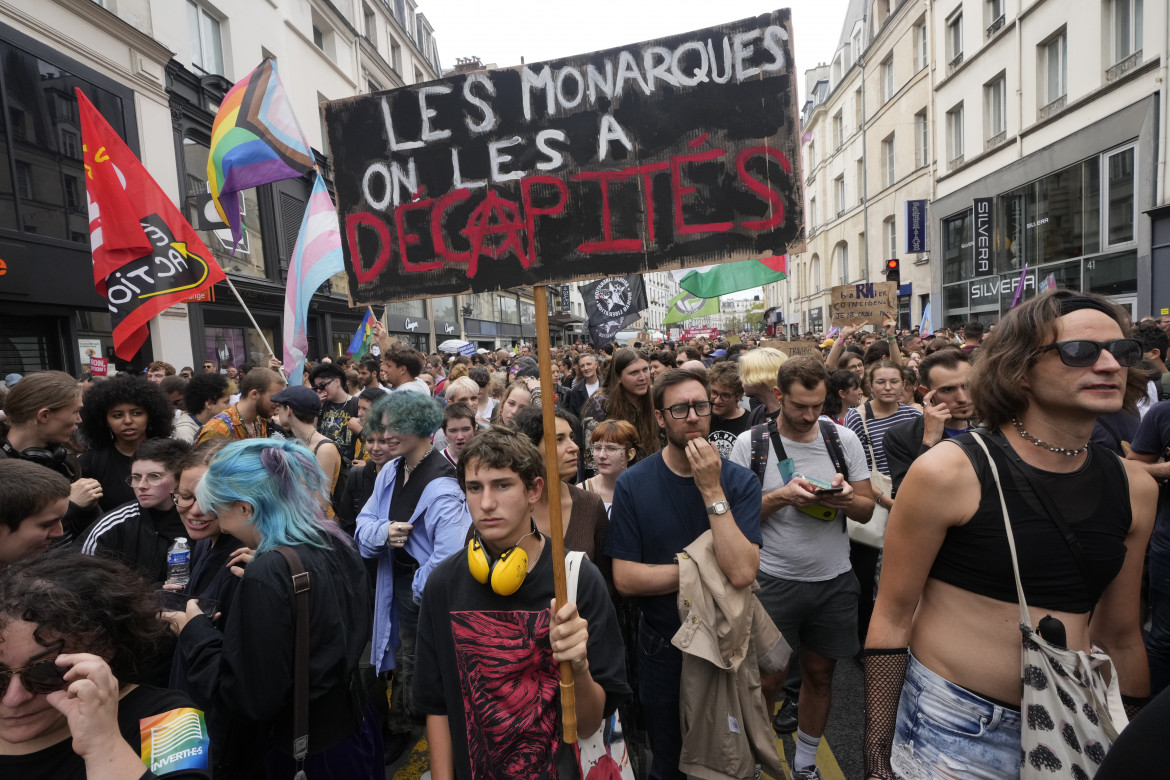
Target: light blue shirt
point(440, 521)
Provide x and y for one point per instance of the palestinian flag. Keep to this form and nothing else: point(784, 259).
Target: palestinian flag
point(734, 277)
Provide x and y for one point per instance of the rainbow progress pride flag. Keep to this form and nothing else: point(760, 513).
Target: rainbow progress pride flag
point(255, 140)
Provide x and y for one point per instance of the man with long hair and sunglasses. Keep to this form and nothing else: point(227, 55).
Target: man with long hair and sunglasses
point(661, 505)
point(943, 653)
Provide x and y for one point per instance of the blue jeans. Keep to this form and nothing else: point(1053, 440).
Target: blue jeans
point(659, 675)
point(945, 731)
point(1158, 641)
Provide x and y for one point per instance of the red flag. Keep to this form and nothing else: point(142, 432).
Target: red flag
point(146, 256)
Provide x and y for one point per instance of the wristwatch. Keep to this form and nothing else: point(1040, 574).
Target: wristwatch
point(718, 508)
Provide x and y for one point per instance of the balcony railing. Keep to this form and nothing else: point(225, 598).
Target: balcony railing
point(996, 139)
point(995, 26)
point(1055, 107)
point(1125, 66)
point(954, 63)
point(954, 162)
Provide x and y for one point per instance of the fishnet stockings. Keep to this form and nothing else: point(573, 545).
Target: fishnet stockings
point(885, 671)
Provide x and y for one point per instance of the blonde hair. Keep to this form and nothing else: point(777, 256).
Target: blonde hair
point(760, 366)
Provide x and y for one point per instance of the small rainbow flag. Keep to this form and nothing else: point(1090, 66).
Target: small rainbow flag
point(361, 340)
point(255, 140)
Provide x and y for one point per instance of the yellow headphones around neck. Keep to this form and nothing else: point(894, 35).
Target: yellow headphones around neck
point(505, 574)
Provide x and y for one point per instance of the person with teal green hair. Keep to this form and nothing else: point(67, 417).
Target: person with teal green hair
point(270, 493)
point(416, 517)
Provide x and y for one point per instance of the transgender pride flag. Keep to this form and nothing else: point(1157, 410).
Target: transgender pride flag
point(316, 257)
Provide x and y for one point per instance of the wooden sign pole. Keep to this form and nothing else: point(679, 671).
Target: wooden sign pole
point(552, 485)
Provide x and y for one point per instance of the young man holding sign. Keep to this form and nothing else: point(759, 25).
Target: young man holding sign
point(490, 625)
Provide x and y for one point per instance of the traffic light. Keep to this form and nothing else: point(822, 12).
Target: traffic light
point(893, 271)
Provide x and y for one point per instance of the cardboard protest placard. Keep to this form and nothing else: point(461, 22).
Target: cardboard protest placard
point(670, 153)
point(873, 302)
point(794, 348)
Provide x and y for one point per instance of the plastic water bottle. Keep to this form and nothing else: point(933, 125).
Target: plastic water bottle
point(179, 563)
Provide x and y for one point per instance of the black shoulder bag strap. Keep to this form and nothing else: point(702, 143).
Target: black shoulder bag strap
point(836, 449)
point(300, 583)
point(1070, 538)
point(777, 445)
point(759, 460)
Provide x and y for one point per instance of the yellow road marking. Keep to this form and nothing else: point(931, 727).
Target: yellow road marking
point(417, 763)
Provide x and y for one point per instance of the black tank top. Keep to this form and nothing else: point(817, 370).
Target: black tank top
point(1093, 501)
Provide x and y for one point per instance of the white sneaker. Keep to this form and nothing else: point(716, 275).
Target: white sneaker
point(810, 773)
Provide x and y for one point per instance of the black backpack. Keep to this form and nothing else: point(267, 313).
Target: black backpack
point(765, 431)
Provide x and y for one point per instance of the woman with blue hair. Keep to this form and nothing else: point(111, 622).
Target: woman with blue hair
point(269, 493)
point(416, 517)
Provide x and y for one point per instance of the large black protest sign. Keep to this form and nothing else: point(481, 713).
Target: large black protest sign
point(670, 153)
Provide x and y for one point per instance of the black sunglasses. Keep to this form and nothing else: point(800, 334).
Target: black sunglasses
point(1082, 353)
point(43, 676)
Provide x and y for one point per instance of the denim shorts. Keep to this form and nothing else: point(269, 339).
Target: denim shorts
point(945, 732)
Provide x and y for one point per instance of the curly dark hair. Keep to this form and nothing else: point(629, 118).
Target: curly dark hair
point(124, 390)
point(90, 603)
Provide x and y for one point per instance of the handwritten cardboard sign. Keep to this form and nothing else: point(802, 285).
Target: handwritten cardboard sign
point(873, 302)
point(665, 154)
point(794, 348)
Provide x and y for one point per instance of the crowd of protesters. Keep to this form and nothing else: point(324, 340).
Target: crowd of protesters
point(740, 508)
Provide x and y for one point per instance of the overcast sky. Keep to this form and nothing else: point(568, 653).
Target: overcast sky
point(504, 31)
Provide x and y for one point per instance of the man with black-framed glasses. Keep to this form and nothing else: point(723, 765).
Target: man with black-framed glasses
point(139, 532)
point(660, 506)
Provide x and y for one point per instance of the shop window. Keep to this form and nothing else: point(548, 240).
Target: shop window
point(507, 309)
point(445, 309)
point(1119, 167)
point(407, 308)
point(527, 313)
point(204, 37)
point(958, 247)
point(249, 257)
point(41, 114)
point(1112, 274)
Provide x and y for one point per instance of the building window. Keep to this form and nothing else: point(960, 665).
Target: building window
point(921, 139)
point(73, 196)
point(860, 180)
point(839, 194)
point(888, 79)
point(838, 130)
point(841, 261)
point(1054, 69)
point(24, 180)
point(995, 109)
point(1127, 28)
point(1120, 216)
point(890, 226)
point(249, 257)
point(860, 255)
point(857, 44)
point(858, 116)
point(70, 144)
point(888, 161)
point(370, 24)
point(920, 46)
point(955, 135)
point(395, 56)
point(955, 41)
point(814, 275)
point(318, 38)
point(204, 37)
point(812, 214)
point(993, 16)
point(812, 156)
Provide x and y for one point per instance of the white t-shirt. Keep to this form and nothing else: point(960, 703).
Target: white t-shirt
point(593, 388)
point(798, 546)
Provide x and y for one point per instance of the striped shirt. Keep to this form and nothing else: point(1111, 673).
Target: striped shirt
point(878, 427)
